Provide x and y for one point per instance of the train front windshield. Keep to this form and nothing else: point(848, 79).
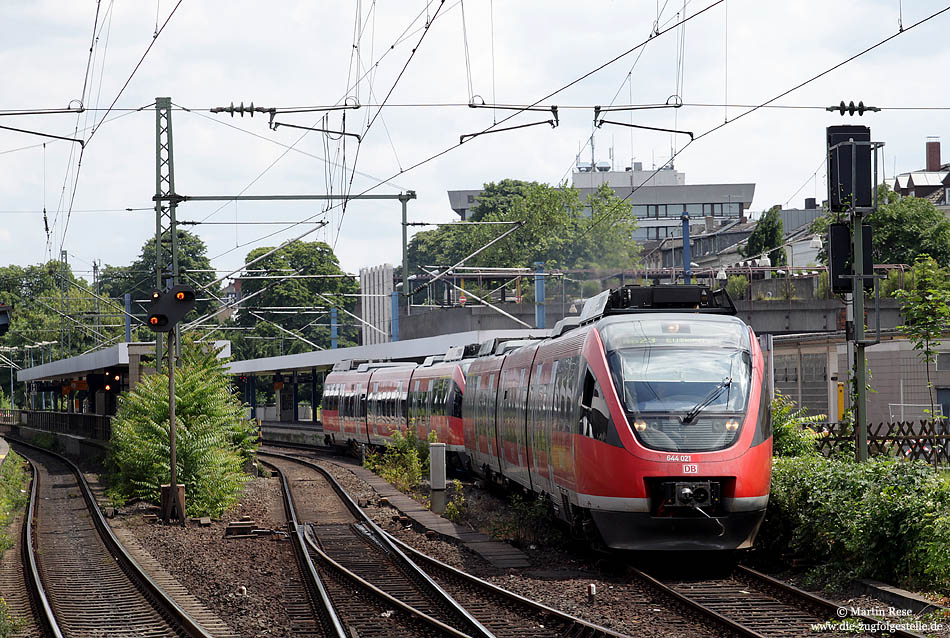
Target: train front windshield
point(684, 381)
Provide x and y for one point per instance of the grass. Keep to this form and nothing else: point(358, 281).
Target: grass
point(13, 494)
point(14, 479)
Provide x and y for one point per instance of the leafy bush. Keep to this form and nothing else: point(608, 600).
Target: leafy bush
point(213, 440)
point(404, 461)
point(736, 286)
point(456, 503)
point(790, 434)
point(887, 519)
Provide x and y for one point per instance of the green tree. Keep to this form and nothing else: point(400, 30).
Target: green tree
point(903, 229)
point(138, 279)
point(498, 198)
point(213, 441)
point(51, 304)
point(926, 313)
point(767, 237)
point(559, 229)
point(331, 287)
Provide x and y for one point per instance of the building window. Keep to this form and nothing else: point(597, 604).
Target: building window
point(640, 211)
point(694, 210)
point(733, 210)
point(471, 199)
point(943, 361)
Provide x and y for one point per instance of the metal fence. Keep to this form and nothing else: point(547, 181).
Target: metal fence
point(93, 426)
point(920, 440)
point(10, 417)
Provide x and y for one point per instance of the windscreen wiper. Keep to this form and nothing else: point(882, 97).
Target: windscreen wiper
point(709, 398)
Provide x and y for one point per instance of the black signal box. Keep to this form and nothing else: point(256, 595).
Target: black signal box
point(169, 307)
point(841, 173)
point(840, 258)
point(4, 319)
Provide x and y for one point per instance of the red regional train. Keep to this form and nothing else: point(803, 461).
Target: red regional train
point(645, 421)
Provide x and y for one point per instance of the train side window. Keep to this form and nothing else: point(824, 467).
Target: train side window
point(595, 421)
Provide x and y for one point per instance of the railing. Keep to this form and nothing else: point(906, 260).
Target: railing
point(93, 426)
point(920, 440)
point(10, 417)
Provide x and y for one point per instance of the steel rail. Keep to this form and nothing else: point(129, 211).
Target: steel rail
point(165, 604)
point(578, 626)
point(477, 627)
point(826, 606)
point(386, 597)
point(33, 573)
point(315, 587)
point(306, 540)
point(711, 616)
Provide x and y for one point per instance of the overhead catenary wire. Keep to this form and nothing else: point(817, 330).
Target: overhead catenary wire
point(607, 215)
point(389, 93)
point(523, 108)
point(96, 127)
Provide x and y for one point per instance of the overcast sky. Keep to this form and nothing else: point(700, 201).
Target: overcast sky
point(286, 54)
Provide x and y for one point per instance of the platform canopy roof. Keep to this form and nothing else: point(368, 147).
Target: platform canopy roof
point(410, 349)
point(98, 360)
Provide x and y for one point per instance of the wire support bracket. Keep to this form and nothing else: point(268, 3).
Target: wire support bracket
point(468, 136)
point(648, 128)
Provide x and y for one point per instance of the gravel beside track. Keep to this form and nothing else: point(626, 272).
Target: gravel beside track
point(214, 569)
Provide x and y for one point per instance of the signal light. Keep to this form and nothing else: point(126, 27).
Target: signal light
point(4, 319)
point(168, 309)
point(108, 388)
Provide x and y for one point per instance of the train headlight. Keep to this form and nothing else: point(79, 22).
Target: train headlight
point(732, 425)
point(640, 425)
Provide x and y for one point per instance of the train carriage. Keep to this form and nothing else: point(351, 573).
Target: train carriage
point(645, 422)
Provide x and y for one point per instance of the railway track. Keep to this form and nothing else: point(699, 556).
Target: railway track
point(750, 604)
point(366, 593)
point(82, 580)
point(345, 535)
point(20, 603)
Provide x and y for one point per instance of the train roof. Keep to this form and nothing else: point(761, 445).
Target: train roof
point(666, 298)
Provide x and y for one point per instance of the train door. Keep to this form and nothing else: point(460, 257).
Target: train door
point(538, 430)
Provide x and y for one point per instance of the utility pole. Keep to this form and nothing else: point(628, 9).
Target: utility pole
point(166, 202)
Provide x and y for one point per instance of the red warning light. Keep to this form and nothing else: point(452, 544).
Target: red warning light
point(180, 296)
point(153, 321)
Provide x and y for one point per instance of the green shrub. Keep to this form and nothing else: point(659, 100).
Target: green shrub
point(14, 478)
point(887, 519)
point(791, 435)
point(213, 440)
point(404, 461)
point(456, 503)
point(736, 286)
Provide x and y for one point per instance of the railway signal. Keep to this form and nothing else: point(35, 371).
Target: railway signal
point(167, 309)
point(4, 319)
point(164, 313)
